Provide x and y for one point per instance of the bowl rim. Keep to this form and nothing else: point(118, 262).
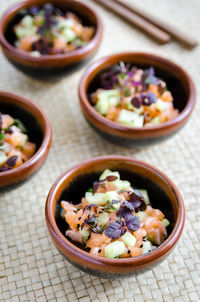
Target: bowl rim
point(19, 101)
point(13, 9)
point(91, 71)
point(143, 259)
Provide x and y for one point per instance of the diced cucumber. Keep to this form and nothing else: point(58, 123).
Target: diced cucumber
point(84, 234)
point(160, 105)
point(107, 99)
point(129, 106)
point(146, 247)
point(155, 120)
point(101, 198)
point(116, 205)
point(108, 172)
point(23, 140)
point(65, 23)
point(27, 21)
point(3, 158)
point(145, 195)
point(165, 222)
point(129, 118)
point(115, 249)
point(129, 239)
point(68, 34)
point(22, 32)
point(141, 215)
point(103, 218)
point(121, 184)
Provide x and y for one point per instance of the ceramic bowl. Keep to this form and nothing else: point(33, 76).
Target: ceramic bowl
point(178, 82)
point(49, 66)
point(39, 131)
point(73, 184)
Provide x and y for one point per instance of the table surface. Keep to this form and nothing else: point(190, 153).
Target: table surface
point(31, 269)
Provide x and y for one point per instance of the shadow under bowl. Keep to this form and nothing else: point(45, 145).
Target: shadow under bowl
point(49, 67)
point(178, 82)
point(39, 132)
point(73, 184)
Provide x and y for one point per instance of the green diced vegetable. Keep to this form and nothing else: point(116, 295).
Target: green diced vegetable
point(69, 35)
point(145, 195)
point(141, 215)
point(121, 184)
point(165, 222)
point(27, 21)
point(155, 120)
point(129, 239)
point(101, 198)
point(84, 234)
point(161, 105)
point(103, 219)
point(107, 99)
point(129, 118)
point(114, 249)
point(108, 172)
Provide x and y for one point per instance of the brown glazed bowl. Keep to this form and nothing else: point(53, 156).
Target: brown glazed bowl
point(73, 184)
point(178, 82)
point(39, 131)
point(49, 66)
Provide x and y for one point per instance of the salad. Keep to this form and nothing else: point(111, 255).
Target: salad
point(133, 97)
point(15, 147)
point(114, 220)
point(48, 31)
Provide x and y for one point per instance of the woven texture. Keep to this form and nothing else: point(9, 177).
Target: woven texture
point(31, 269)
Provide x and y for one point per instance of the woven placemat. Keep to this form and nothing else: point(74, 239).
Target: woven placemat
point(31, 269)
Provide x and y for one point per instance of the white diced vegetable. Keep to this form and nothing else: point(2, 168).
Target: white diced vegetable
point(3, 158)
point(129, 118)
point(114, 249)
point(129, 239)
point(146, 247)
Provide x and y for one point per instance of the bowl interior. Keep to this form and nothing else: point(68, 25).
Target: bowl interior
point(35, 131)
point(161, 194)
point(170, 73)
point(86, 16)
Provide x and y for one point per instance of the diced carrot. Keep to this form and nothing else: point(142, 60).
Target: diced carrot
point(26, 43)
point(113, 113)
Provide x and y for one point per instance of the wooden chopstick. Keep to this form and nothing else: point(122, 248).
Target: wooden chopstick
point(179, 35)
point(155, 32)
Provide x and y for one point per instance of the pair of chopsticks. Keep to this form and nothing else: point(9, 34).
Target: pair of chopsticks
point(156, 28)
